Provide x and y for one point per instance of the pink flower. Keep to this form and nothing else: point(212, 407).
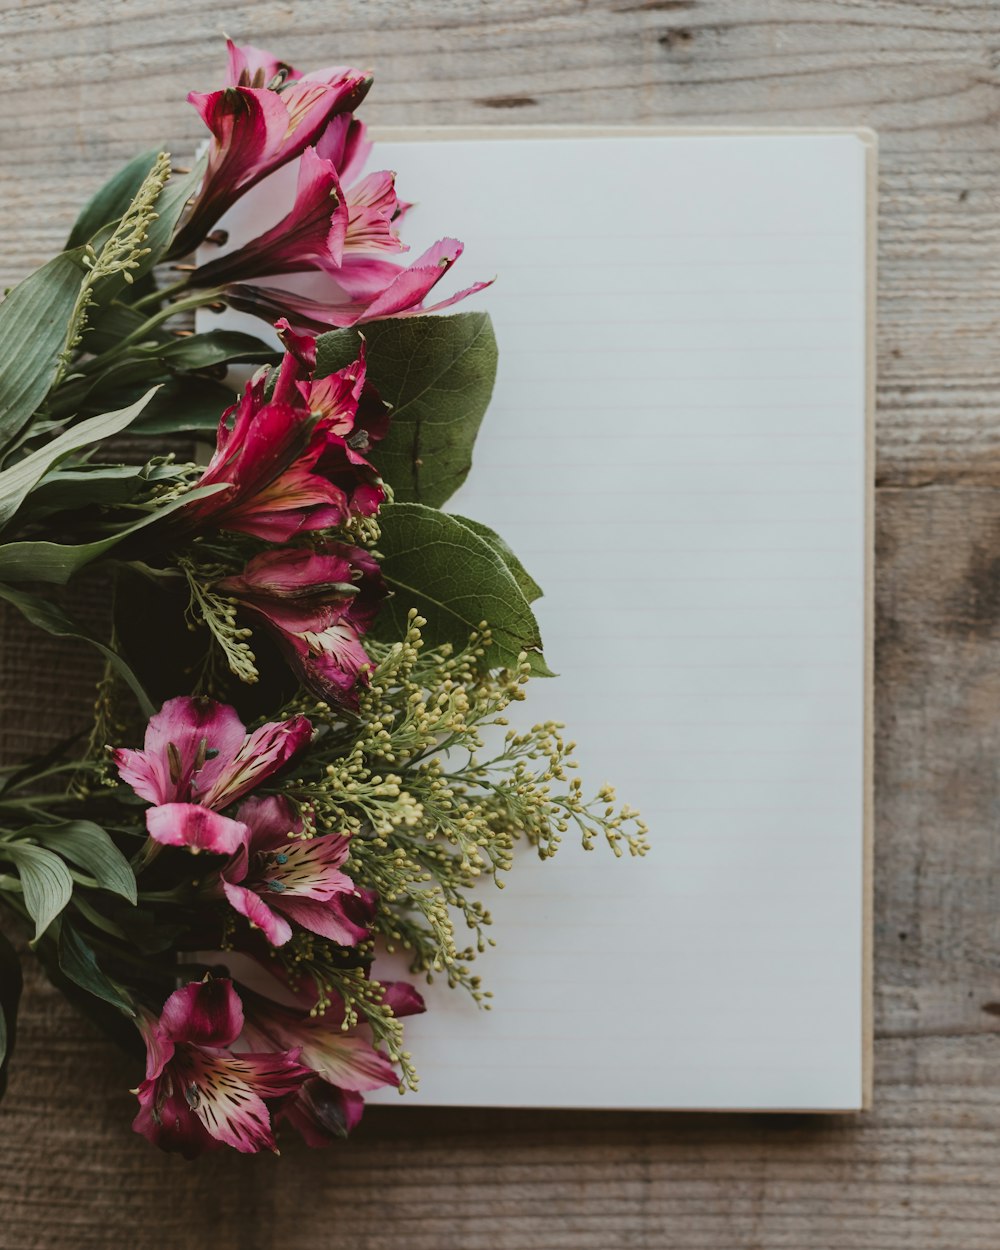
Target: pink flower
point(345, 1062)
point(197, 1094)
point(363, 289)
point(310, 236)
point(277, 876)
point(294, 463)
point(197, 758)
point(373, 208)
point(259, 122)
point(317, 603)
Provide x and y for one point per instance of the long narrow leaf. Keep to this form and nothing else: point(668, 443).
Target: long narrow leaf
point(57, 562)
point(78, 962)
point(34, 325)
point(17, 481)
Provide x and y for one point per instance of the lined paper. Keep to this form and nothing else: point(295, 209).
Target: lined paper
point(676, 449)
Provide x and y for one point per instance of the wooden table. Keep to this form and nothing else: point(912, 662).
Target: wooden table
point(87, 84)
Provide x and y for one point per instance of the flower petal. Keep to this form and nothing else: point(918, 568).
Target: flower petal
point(344, 142)
point(227, 1092)
point(205, 1013)
point(165, 1119)
point(264, 752)
point(254, 67)
point(345, 1061)
point(344, 919)
point(270, 819)
point(186, 824)
point(159, 1047)
point(198, 828)
point(310, 868)
point(275, 928)
point(402, 998)
point(322, 1114)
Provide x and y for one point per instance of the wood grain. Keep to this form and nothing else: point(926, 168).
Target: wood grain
point(89, 83)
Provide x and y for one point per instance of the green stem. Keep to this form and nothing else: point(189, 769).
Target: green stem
point(138, 335)
point(145, 856)
point(157, 297)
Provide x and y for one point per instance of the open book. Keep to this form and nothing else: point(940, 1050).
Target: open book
point(678, 449)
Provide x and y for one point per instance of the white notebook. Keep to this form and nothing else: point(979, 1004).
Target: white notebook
point(679, 450)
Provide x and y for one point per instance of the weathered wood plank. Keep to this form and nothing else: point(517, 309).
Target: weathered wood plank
point(88, 84)
point(105, 78)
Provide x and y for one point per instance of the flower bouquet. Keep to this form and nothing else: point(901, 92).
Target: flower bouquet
point(316, 660)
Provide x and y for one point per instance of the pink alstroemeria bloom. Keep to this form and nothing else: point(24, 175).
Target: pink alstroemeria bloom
point(352, 414)
point(291, 467)
point(197, 759)
point(363, 289)
point(259, 122)
point(373, 207)
point(198, 1095)
point(317, 603)
point(277, 876)
point(345, 1062)
point(311, 235)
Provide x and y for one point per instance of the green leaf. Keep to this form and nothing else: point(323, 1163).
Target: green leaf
point(34, 324)
point(529, 587)
point(66, 490)
point(114, 321)
point(214, 348)
point(452, 576)
point(54, 621)
point(45, 881)
point(438, 374)
point(17, 481)
point(111, 201)
point(185, 406)
point(78, 961)
point(57, 562)
point(10, 995)
point(89, 847)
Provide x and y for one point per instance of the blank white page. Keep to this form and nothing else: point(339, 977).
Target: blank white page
point(677, 450)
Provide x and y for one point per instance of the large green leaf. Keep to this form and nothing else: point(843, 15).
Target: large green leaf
point(53, 620)
point(57, 562)
point(439, 565)
point(438, 374)
point(111, 201)
point(10, 995)
point(17, 481)
point(34, 324)
point(529, 587)
point(45, 880)
point(78, 962)
point(89, 847)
